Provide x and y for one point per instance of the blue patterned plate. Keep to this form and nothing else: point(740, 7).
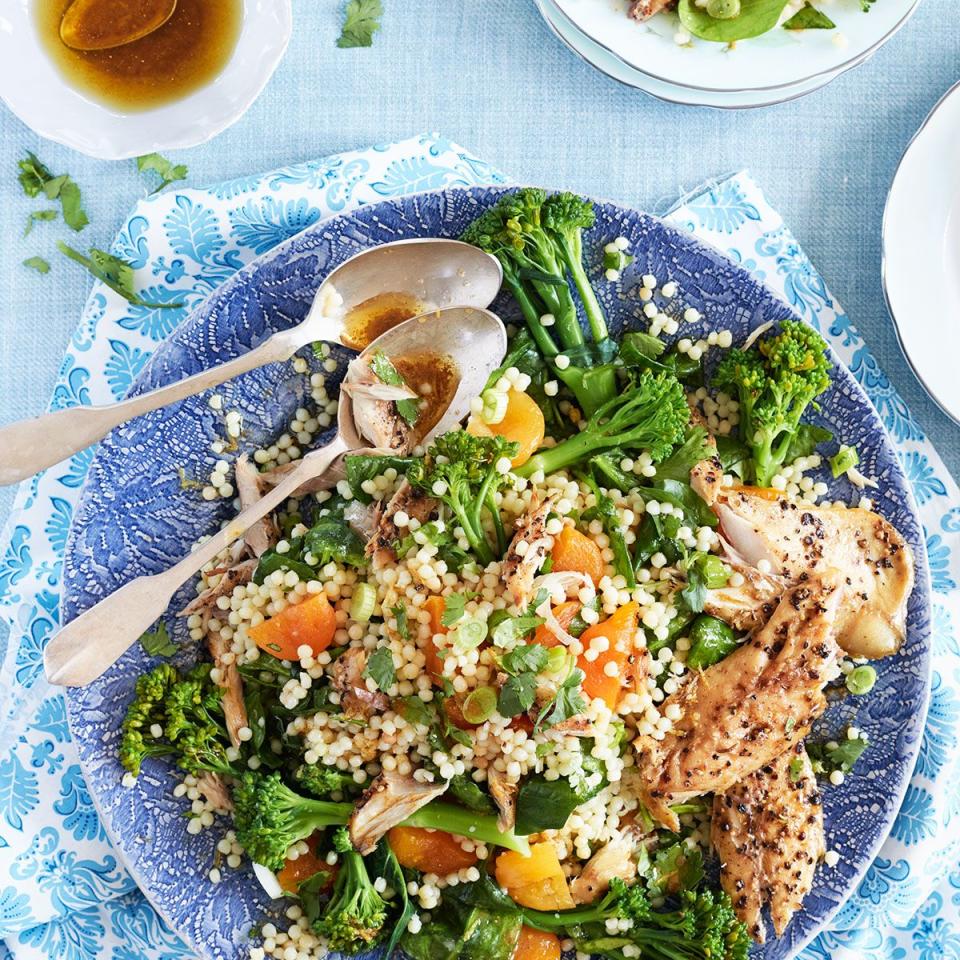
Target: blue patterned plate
point(135, 518)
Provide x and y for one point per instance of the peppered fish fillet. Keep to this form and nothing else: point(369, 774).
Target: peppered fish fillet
point(767, 831)
point(750, 708)
point(800, 540)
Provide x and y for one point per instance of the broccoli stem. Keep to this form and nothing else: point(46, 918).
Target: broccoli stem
point(570, 451)
point(473, 530)
point(572, 253)
point(465, 823)
point(530, 313)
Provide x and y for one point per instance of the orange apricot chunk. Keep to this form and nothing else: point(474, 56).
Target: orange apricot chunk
point(536, 945)
point(620, 631)
point(312, 622)
point(537, 881)
point(429, 851)
point(523, 423)
point(575, 551)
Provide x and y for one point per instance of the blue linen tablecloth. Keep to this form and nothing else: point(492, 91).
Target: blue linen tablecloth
point(63, 892)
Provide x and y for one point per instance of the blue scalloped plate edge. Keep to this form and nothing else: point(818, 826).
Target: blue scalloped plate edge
point(164, 367)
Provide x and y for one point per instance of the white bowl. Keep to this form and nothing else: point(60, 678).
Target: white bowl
point(35, 91)
point(601, 59)
point(921, 252)
point(778, 59)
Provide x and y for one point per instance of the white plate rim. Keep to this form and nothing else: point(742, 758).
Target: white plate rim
point(641, 79)
point(831, 72)
point(112, 139)
point(885, 259)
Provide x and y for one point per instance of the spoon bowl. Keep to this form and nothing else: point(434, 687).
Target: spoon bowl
point(415, 276)
point(433, 274)
point(95, 640)
point(105, 24)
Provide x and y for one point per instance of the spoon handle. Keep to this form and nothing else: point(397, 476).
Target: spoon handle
point(30, 446)
point(87, 646)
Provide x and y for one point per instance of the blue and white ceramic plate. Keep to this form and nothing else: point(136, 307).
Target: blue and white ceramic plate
point(135, 518)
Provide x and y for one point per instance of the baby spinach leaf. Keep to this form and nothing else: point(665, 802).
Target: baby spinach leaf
point(755, 18)
point(808, 17)
point(361, 468)
point(547, 804)
point(330, 538)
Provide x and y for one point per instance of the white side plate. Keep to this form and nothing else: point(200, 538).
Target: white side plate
point(36, 92)
point(921, 253)
point(601, 59)
point(779, 58)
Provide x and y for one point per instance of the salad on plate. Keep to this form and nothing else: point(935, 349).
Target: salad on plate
point(546, 682)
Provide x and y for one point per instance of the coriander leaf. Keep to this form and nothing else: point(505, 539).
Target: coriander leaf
point(453, 607)
point(513, 628)
point(517, 695)
point(332, 539)
point(637, 346)
point(39, 216)
point(415, 710)
point(805, 441)
point(567, 703)
point(403, 625)
point(38, 264)
point(52, 188)
point(538, 601)
point(70, 202)
point(164, 168)
point(380, 669)
point(796, 769)
point(33, 175)
point(361, 21)
point(157, 642)
point(577, 625)
point(384, 370)
point(117, 274)
point(529, 658)
point(808, 17)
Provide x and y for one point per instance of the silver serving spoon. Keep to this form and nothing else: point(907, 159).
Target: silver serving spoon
point(475, 340)
point(433, 273)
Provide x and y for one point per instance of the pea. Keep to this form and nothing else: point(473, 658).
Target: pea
point(723, 9)
point(710, 641)
point(860, 680)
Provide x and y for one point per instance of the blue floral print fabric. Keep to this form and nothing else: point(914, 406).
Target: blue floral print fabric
point(63, 893)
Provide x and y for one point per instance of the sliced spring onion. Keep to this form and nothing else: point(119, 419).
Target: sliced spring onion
point(860, 680)
point(616, 259)
point(559, 661)
point(494, 406)
point(479, 705)
point(470, 633)
point(363, 602)
point(846, 458)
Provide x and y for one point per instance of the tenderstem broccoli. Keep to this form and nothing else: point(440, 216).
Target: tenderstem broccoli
point(775, 381)
point(355, 916)
point(651, 414)
point(461, 470)
point(538, 241)
point(703, 927)
point(269, 818)
point(189, 713)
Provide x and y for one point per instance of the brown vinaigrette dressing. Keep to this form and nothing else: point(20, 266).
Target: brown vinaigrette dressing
point(375, 316)
point(435, 372)
point(186, 53)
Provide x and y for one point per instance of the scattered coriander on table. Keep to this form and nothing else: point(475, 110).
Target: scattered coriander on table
point(157, 642)
point(38, 216)
point(38, 264)
point(166, 170)
point(117, 274)
point(361, 20)
point(35, 178)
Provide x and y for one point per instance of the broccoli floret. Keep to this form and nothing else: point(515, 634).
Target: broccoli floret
point(148, 708)
point(703, 927)
point(775, 382)
point(188, 710)
point(651, 414)
point(320, 780)
point(461, 470)
point(354, 919)
point(538, 242)
point(269, 818)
